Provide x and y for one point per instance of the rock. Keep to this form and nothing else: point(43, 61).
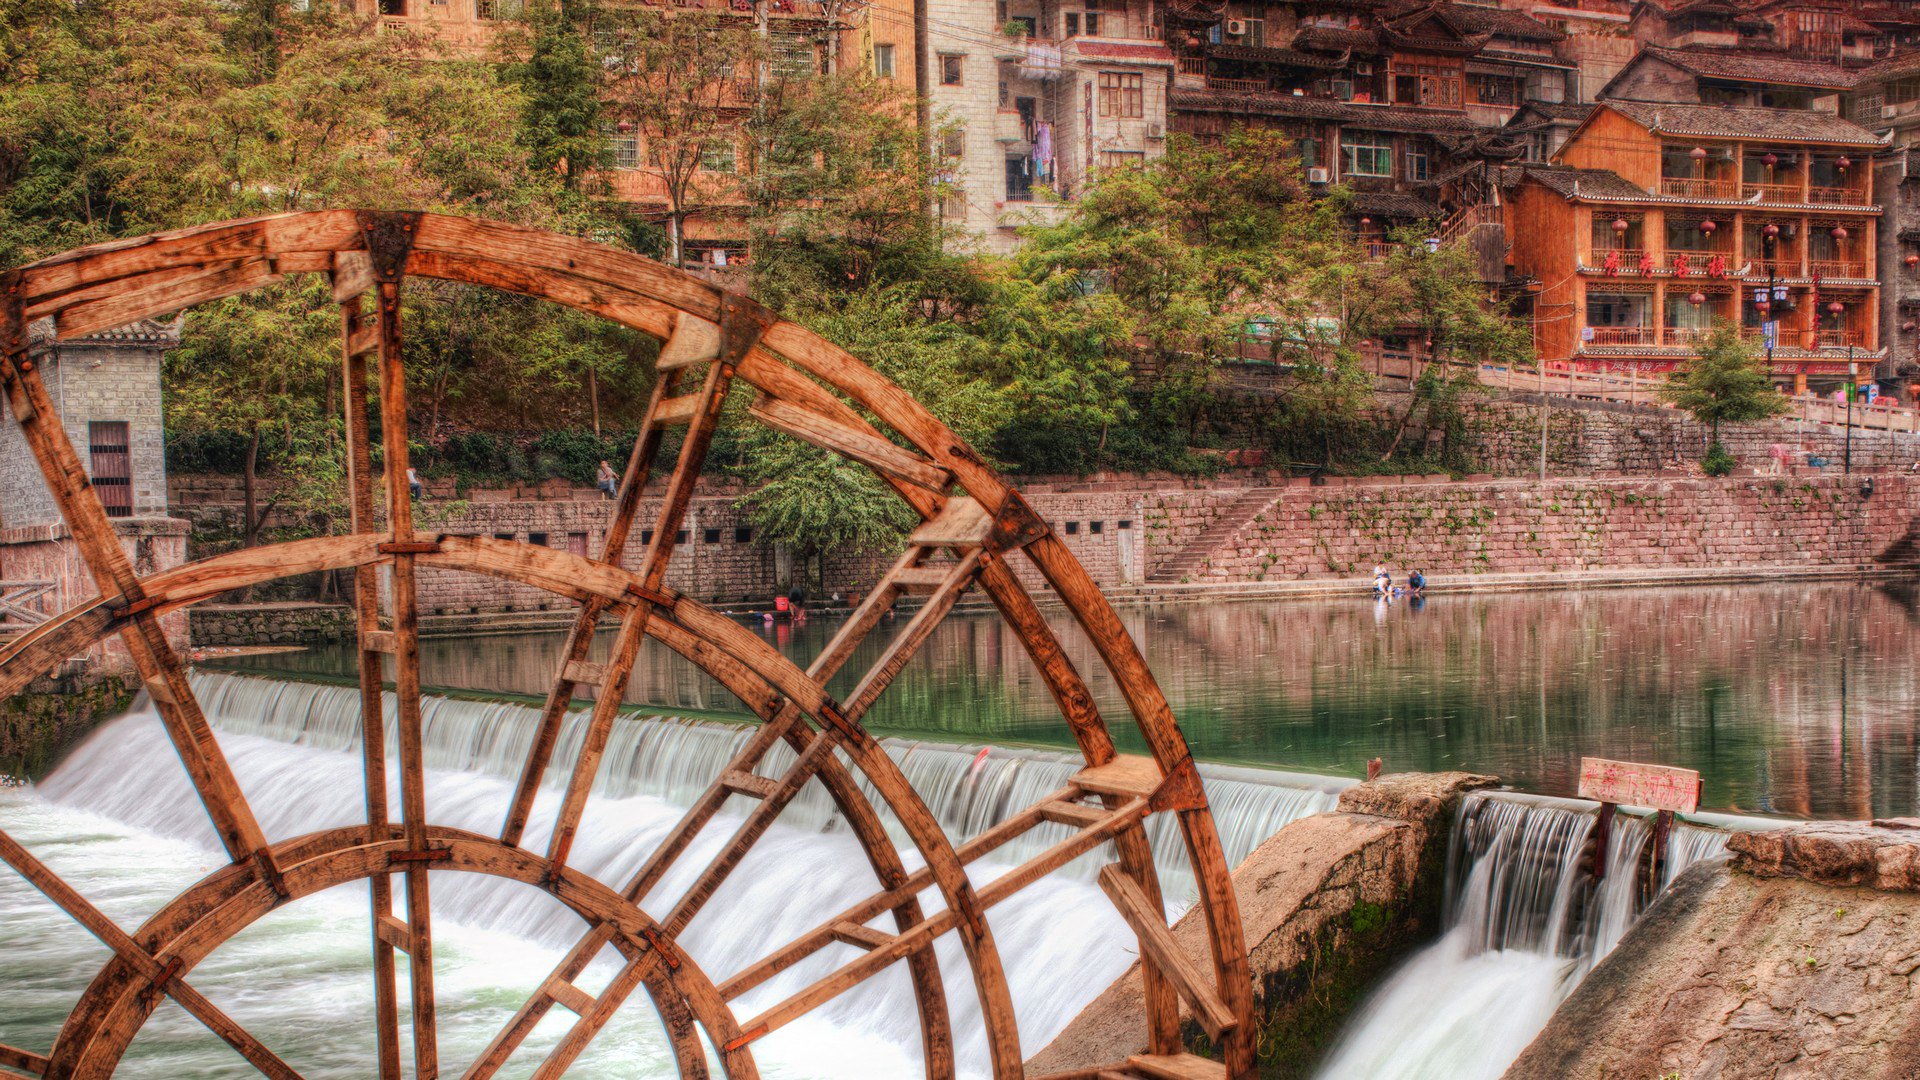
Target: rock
point(1881, 854)
point(1416, 797)
point(1729, 975)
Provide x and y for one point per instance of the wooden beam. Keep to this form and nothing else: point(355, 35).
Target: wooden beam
point(746, 783)
point(351, 277)
point(576, 1000)
point(963, 522)
point(371, 670)
point(584, 672)
point(1158, 947)
point(393, 932)
point(158, 974)
point(26, 1061)
point(677, 411)
point(1129, 775)
point(877, 453)
point(694, 340)
point(1181, 1066)
point(93, 316)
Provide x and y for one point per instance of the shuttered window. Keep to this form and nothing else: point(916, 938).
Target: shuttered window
point(112, 466)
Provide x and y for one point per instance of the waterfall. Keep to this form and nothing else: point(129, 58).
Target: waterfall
point(1524, 923)
point(293, 747)
point(969, 787)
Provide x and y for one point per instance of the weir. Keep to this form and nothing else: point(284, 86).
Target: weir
point(1524, 922)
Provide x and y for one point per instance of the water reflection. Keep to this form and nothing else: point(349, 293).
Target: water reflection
point(1797, 699)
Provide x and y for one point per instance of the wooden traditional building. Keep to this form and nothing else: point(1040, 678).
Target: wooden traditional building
point(1657, 220)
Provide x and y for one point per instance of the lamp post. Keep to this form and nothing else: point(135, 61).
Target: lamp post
point(1769, 241)
point(1835, 309)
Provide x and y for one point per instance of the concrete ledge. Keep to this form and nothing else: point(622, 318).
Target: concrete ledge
point(1328, 904)
point(1882, 854)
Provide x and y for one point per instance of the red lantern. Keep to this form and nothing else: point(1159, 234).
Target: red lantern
point(1708, 227)
point(625, 126)
point(1620, 225)
point(1762, 305)
point(1697, 299)
point(1839, 232)
point(1698, 153)
point(1771, 232)
point(1843, 161)
point(1836, 308)
point(1907, 327)
point(1913, 260)
point(1771, 159)
point(1366, 221)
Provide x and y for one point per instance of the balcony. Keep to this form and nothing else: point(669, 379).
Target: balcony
point(1838, 196)
point(1625, 335)
point(1684, 336)
point(1239, 86)
point(1376, 250)
point(1851, 269)
point(1772, 193)
point(1625, 260)
point(1688, 187)
point(1838, 339)
point(1702, 263)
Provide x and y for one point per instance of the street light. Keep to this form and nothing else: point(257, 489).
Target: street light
point(1769, 239)
point(1836, 309)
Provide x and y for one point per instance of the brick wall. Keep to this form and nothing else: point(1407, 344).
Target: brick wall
point(47, 553)
point(1570, 525)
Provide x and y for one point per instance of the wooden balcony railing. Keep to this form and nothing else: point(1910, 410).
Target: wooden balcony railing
point(1240, 86)
point(1698, 262)
point(1626, 335)
point(1192, 65)
point(1629, 259)
point(1838, 339)
point(1688, 336)
point(1837, 196)
point(1855, 269)
point(1376, 250)
point(1687, 187)
point(1773, 193)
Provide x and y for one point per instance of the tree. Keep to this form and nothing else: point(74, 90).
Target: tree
point(1728, 383)
point(681, 82)
point(560, 126)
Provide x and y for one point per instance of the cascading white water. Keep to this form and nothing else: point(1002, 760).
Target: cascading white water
point(292, 746)
point(968, 787)
point(1524, 923)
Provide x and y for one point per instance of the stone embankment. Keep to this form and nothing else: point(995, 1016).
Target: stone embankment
point(1328, 903)
point(1797, 958)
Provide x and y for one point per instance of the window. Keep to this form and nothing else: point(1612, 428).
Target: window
point(1309, 149)
point(680, 537)
point(393, 7)
point(718, 156)
point(1122, 159)
point(1073, 24)
point(503, 536)
point(112, 461)
point(1417, 83)
point(1256, 32)
point(1125, 523)
point(953, 144)
point(626, 147)
point(1366, 153)
point(1416, 164)
point(1073, 528)
point(497, 9)
point(709, 536)
point(1093, 25)
point(646, 536)
point(1019, 179)
point(950, 70)
point(883, 61)
point(1122, 94)
point(577, 544)
point(1096, 527)
point(743, 535)
point(537, 539)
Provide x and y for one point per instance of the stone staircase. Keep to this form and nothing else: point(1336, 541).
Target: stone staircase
point(1190, 562)
point(1902, 552)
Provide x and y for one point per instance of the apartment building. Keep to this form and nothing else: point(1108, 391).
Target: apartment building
point(1658, 219)
point(1030, 99)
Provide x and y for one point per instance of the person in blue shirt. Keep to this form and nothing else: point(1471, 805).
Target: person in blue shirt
point(1416, 582)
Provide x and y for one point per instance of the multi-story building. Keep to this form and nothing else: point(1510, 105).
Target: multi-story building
point(1030, 99)
point(1886, 100)
point(1658, 219)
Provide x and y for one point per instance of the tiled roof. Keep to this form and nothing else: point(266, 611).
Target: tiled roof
point(1592, 183)
point(1733, 122)
point(1375, 117)
point(1157, 54)
point(1532, 59)
point(1499, 22)
point(1329, 39)
point(1260, 54)
point(1753, 67)
point(1394, 204)
point(1553, 111)
point(1897, 66)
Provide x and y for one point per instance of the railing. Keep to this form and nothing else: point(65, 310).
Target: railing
point(1468, 219)
point(1785, 267)
point(1625, 335)
point(1688, 336)
point(1773, 193)
point(1686, 187)
point(1837, 196)
point(1561, 381)
point(1191, 65)
point(1853, 269)
point(1838, 339)
point(1376, 250)
point(1629, 259)
point(1241, 86)
point(1697, 261)
point(21, 604)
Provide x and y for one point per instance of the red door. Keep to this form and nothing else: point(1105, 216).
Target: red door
point(112, 466)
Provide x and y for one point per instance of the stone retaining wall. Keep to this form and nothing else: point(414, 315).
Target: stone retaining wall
point(270, 624)
point(1570, 525)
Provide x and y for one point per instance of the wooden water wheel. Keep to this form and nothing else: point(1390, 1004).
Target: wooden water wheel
point(972, 524)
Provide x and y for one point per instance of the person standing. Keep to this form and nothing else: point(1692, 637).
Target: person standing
point(606, 480)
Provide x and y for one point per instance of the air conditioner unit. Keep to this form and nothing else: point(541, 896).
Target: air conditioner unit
point(1319, 174)
point(1363, 67)
point(1236, 28)
point(1156, 131)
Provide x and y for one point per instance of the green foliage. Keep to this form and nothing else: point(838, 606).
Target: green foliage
point(1717, 462)
point(560, 126)
point(1727, 383)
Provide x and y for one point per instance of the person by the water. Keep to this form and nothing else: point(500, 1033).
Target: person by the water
point(1382, 583)
point(1416, 583)
point(797, 603)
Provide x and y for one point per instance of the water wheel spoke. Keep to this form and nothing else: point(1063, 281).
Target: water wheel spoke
point(163, 976)
point(23, 1061)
